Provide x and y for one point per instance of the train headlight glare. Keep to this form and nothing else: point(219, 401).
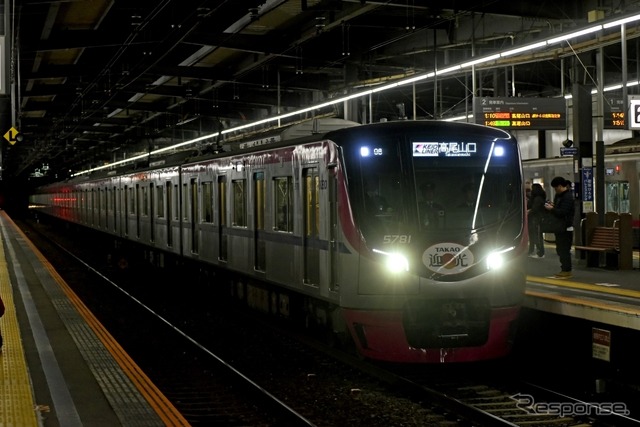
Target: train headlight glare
point(495, 261)
point(397, 263)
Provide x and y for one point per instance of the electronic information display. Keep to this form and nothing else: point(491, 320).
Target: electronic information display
point(521, 113)
point(614, 113)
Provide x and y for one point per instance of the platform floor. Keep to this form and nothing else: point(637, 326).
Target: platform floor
point(602, 295)
point(59, 366)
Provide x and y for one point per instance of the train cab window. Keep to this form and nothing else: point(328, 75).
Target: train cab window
point(283, 203)
point(207, 201)
point(239, 203)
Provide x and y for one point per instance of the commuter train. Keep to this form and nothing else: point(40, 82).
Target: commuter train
point(333, 227)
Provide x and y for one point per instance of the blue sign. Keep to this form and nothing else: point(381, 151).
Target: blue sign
point(587, 184)
point(568, 151)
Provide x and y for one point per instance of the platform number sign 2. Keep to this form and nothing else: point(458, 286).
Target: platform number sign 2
point(634, 107)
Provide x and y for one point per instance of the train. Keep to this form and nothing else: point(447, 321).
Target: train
point(332, 226)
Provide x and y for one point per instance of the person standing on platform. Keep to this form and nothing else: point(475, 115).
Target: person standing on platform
point(563, 207)
point(536, 209)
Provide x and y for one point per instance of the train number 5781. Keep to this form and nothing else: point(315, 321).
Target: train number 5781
point(397, 238)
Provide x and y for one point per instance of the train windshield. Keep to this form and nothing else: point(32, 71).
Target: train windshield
point(436, 185)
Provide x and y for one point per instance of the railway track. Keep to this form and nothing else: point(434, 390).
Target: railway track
point(224, 367)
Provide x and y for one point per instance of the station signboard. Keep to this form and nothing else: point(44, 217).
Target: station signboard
point(634, 112)
point(521, 113)
point(614, 113)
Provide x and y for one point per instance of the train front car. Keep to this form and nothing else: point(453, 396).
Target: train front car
point(438, 225)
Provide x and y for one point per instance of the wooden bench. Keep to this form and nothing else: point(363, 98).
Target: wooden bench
point(601, 240)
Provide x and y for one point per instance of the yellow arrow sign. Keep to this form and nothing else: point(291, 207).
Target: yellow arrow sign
point(11, 135)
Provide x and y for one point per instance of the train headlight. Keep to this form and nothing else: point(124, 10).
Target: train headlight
point(495, 261)
point(395, 262)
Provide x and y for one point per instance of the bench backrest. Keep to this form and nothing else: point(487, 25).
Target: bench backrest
point(605, 237)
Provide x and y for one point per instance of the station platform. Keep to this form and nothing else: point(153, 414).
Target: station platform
point(58, 365)
point(607, 296)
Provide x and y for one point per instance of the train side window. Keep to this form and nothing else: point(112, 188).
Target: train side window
point(283, 203)
point(160, 201)
point(222, 200)
point(145, 201)
point(93, 206)
point(185, 202)
point(312, 202)
point(239, 203)
point(207, 201)
point(114, 202)
point(176, 208)
point(132, 201)
point(259, 199)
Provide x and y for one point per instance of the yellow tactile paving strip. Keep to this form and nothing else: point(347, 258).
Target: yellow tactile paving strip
point(17, 407)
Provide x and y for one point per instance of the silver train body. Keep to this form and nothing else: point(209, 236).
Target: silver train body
point(335, 223)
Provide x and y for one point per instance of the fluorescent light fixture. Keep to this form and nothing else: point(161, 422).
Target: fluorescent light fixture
point(523, 49)
point(458, 118)
point(447, 70)
point(385, 87)
point(480, 60)
point(575, 34)
point(413, 79)
point(614, 87)
point(621, 21)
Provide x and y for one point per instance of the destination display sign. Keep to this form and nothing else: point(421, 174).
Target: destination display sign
point(614, 113)
point(521, 113)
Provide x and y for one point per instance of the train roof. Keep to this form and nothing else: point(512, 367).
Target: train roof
point(299, 133)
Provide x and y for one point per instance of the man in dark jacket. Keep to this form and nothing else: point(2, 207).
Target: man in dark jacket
point(563, 207)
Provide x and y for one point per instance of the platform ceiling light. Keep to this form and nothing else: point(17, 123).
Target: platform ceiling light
point(523, 49)
point(411, 79)
point(480, 60)
point(622, 21)
point(447, 70)
point(575, 34)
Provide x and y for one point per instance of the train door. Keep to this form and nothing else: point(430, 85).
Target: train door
point(222, 218)
point(169, 214)
point(617, 197)
point(137, 205)
point(258, 215)
point(126, 210)
point(333, 234)
point(114, 203)
point(193, 215)
point(152, 216)
point(311, 205)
